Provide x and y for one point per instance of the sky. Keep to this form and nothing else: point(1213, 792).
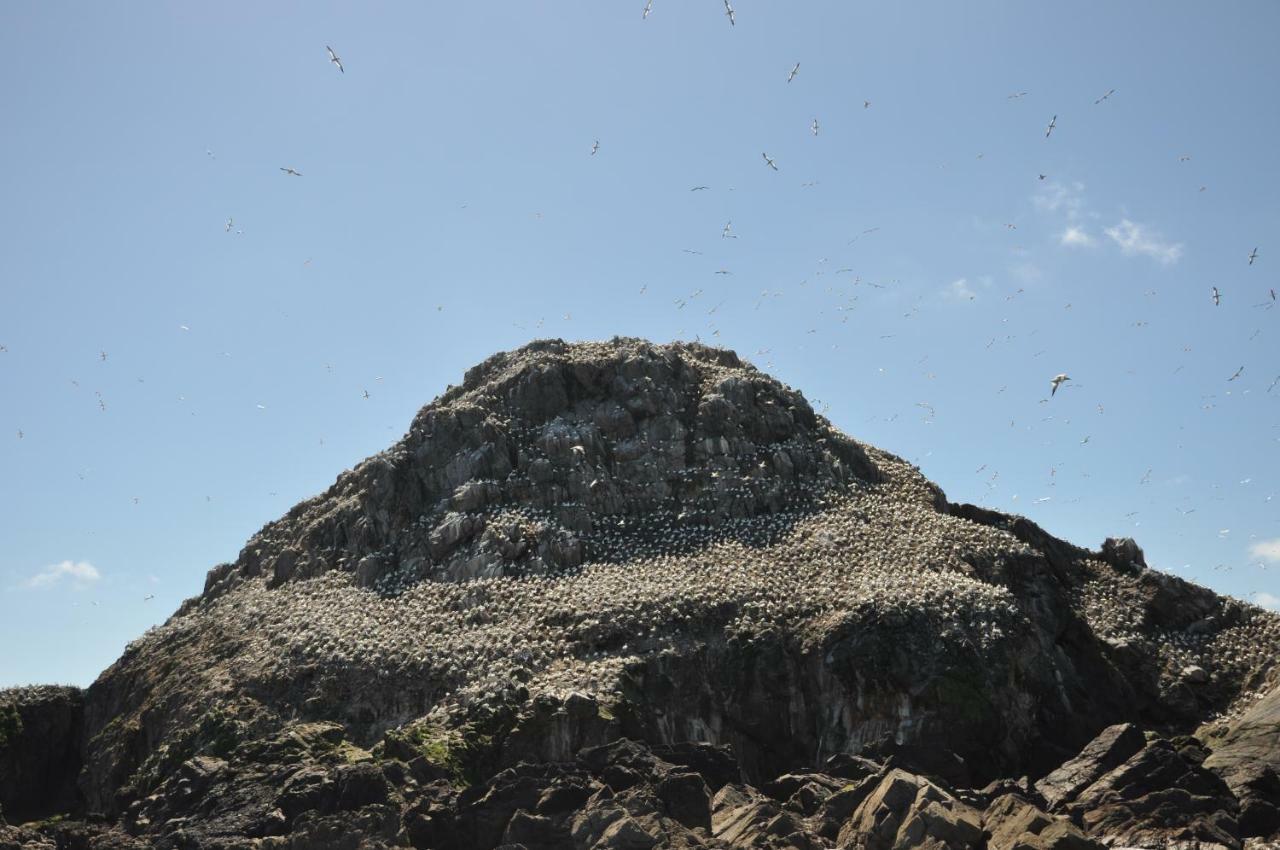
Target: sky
point(189, 331)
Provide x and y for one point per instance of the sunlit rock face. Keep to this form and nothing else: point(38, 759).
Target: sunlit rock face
point(595, 546)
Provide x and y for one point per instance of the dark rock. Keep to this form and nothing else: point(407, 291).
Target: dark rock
point(1158, 796)
point(686, 799)
point(1247, 756)
point(1123, 553)
point(40, 740)
point(715, 764)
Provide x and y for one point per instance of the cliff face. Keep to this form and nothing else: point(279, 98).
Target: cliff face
point(40, 743)
point(590, 545)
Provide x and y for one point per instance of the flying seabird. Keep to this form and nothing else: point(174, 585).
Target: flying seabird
point(1253, 255)
point(793, 73)
point(648, 7)
point(1104, 97)
point(1053, 122)
point(1236, 375)
point(699, 188)
point(595, 146)
point(725, 234)
point(1058, 380)
point(728, 10)
point(769, 162)
point(814, 126)
point(291, 172)
point(333, 57)
point(1217, 297)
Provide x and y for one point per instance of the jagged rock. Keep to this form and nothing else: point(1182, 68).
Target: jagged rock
point(1113, 746)
point(1158, 795)
point(836, 810)
point(1015, 824)
point(906, 811)
point(740, 816)
point(1123, 553)
point(1247, 756)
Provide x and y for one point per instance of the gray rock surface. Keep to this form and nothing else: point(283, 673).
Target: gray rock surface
point(1112, 748)
point(1246, 754)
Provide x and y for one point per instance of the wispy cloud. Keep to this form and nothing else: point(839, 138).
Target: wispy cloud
point(1061, 197)
point(1075, 237)
point(1266, 550)
point(959, 290)
point(1267, 600)
point(1067, 201)
point(1134, 238)
point(80, 574)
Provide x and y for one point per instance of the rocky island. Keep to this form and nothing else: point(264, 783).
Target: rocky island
point(622, 596)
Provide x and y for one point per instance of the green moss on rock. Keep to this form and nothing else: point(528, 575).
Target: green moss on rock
point(10, 725)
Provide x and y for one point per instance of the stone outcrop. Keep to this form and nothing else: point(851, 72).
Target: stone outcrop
point(1161, 794)
point(1112, 748)
point(1246, 754)
point(623, 595)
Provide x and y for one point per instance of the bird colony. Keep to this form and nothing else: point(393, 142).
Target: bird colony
point(574, 511)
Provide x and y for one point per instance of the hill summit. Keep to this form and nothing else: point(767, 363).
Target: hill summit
point(627, 595)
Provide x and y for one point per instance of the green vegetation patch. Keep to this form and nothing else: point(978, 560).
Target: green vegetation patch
point(464, 754)
point(216, 733)
point(10, 725)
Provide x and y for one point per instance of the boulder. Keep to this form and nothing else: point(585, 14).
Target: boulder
point(907, 811)
point(1109, 750)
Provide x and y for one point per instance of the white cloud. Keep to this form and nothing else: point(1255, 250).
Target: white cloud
point(1076, 237)
point(1267, 600)
point(960, 290)
point(1266, 550)
point(81, 574)
point(1136, 239)
point(1056, 196)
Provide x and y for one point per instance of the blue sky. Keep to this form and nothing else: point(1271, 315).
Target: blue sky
point(906, 267)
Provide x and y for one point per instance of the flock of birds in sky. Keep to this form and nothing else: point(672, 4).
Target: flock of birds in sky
point(1216, 296)
point(769, 162)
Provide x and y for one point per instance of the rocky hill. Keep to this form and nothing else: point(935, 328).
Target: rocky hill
point(624, 595)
